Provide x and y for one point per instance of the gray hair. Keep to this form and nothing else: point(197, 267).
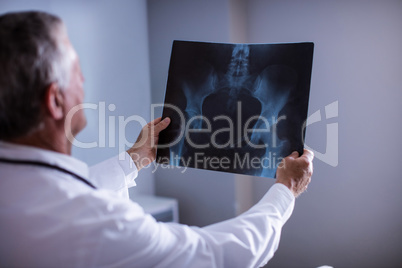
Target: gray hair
point(32, 57)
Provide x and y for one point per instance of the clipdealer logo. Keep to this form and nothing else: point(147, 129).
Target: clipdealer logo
point(330, 156)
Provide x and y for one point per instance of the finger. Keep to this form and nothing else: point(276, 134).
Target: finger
point(155, 121)
point(294, 154)
point(308, 154)
point(161, 125)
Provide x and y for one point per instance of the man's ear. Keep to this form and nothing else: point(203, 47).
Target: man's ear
point(54, 101)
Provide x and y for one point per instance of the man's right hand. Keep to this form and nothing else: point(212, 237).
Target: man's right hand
point(143, 151)
point(295, 172)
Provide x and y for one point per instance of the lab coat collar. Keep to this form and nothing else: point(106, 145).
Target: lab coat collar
point(23, 152)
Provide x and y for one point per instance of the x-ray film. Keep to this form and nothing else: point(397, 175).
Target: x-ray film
point(237, 108)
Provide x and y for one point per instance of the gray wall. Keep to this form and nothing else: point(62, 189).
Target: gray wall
point(350, 216)
point(111, 38)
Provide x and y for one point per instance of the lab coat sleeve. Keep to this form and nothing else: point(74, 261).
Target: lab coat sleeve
point(249, 240)
point(252, 238)
point(127, 237)
point(117, 174)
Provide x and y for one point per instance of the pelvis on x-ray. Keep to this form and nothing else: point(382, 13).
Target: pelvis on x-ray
point(237, 108)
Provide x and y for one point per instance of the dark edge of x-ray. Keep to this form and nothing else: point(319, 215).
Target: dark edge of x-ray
point(238, 108)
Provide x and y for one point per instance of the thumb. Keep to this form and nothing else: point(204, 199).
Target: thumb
point(294, 154)
point(309, 154)
point(161, 126)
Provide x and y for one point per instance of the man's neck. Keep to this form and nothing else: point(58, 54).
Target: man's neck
point(45, 140)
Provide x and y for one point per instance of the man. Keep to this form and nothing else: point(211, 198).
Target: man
point(54, 211)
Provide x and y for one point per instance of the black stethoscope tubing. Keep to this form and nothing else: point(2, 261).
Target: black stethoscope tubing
point(46, 165)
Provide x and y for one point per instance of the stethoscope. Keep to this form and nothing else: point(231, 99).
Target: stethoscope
point(46, 165)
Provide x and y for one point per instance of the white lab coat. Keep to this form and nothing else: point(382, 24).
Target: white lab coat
point(50, 219)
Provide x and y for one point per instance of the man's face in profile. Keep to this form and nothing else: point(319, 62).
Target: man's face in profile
point(74, 93)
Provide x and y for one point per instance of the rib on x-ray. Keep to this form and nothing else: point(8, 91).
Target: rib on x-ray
point(237, 108)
